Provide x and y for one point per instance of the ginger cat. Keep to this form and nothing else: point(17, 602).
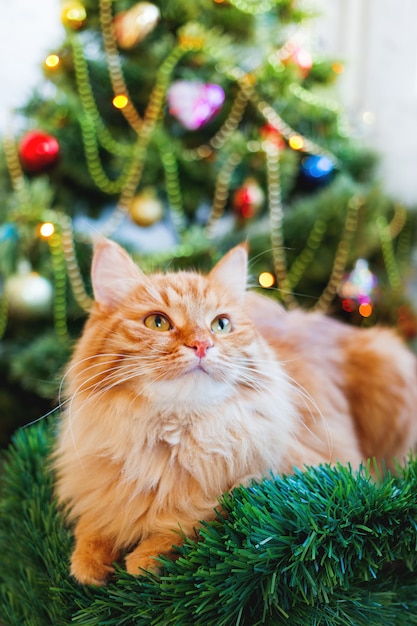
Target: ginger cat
point(183, 386)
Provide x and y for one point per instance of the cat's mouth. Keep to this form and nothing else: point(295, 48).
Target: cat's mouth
point(198, 367)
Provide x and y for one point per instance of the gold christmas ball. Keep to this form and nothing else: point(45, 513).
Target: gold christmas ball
point(132, 26)
point(145, 208)
point(28, 294)
point(73, 15)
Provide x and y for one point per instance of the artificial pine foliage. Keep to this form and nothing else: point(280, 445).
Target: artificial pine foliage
point(323, 546)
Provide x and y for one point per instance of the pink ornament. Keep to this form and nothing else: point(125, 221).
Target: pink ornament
point(194, 104)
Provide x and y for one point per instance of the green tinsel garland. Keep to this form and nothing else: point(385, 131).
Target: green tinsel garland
point(323, 546)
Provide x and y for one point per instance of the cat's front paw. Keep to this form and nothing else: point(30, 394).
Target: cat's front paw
point(87, 569)
point(137, 562)
point(145, 555)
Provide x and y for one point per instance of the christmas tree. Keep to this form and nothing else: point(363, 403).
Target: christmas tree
point(179, 129)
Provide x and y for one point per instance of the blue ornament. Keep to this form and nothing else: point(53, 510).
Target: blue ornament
point(317, 168)
point(8, 232)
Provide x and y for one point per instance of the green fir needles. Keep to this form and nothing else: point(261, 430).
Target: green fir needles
point(323, 546)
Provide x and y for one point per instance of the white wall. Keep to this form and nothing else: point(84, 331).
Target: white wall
point(377, 38)
point(28, 31)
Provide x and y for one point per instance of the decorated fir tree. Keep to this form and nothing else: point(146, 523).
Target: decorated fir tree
point(180, 128)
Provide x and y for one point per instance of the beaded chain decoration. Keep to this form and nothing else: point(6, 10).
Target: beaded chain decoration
point(149, 126)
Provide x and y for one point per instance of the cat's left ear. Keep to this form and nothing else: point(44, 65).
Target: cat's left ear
point(113, 273)
point(231, 271)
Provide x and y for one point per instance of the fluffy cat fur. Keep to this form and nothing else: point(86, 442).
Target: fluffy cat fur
point(169, 405)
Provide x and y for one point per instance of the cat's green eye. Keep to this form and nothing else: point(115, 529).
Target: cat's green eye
point(221, 325)
point(157, 321)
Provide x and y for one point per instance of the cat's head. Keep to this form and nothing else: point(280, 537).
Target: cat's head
point(175, 337)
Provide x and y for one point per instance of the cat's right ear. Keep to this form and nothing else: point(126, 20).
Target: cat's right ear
point(113, 273)
point(231, 271)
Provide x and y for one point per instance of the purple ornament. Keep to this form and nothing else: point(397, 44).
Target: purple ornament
point(194, 104)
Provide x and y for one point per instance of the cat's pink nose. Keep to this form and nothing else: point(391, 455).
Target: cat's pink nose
point(200, 346)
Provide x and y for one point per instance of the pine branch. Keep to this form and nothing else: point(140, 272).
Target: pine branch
point(323, 546)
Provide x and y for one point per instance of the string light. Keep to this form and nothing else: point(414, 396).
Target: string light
point(365, 309)
point(120, 101)
point(296, 142)
point(266, 280)
point(46, 229)
point(52, 61)
point(337, 67)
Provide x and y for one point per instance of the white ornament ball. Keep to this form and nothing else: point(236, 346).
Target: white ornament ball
point(28, 294)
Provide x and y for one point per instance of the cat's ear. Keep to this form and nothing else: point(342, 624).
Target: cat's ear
point(113, 273)
point(231, 271)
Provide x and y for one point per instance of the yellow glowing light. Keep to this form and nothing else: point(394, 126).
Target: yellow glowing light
point(120, 101)
point(365, 309)
point(296, 142)
point(52, 61)
point(338, 68)
point(47, 229)
point(266, 279)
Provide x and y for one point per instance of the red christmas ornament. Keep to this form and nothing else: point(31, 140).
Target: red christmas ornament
point(248, 199)
point(38, 151)
point(272, 134)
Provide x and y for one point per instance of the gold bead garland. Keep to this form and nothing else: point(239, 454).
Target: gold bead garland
point(58, 267)
point(73, 270)
point(90, 110)
point(342, 252)
point(276, 121)
point(221, 191)
point(173, 187)
point(393, 274)
point(4, 314)
point(252, 7)
point(113, 60)
point(306, 256)
point(228, 127)
point(276, 220)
